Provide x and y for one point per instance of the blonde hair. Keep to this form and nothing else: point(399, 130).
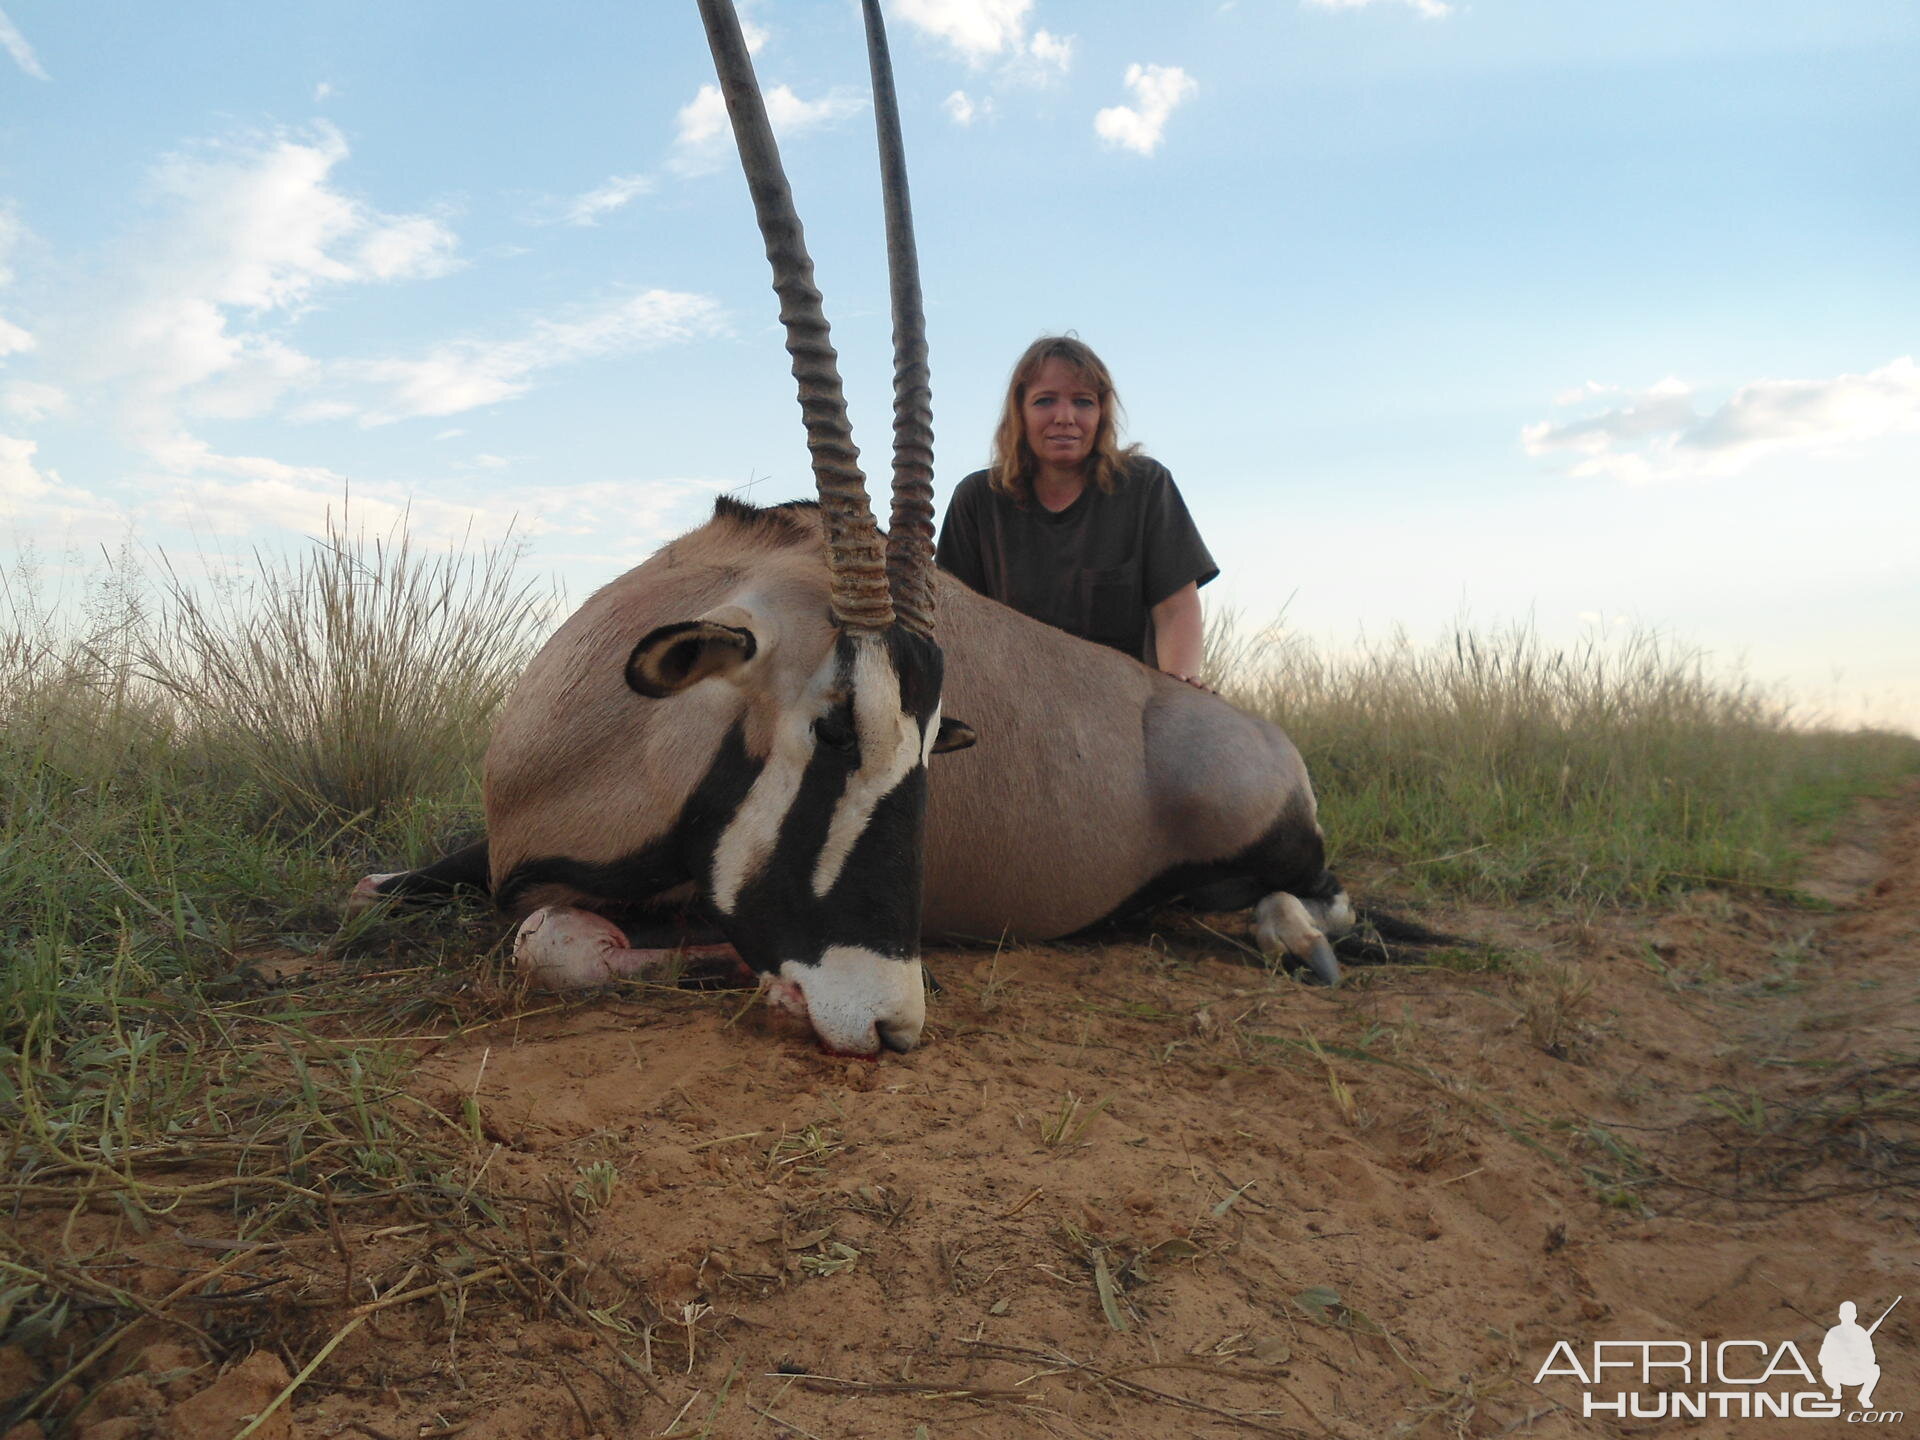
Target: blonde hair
point(1013, 465)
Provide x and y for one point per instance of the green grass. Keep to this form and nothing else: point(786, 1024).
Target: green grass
point(1495, 766)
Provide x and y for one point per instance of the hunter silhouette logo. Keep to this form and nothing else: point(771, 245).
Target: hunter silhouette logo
point(1846, 1355)
point(1728, 1379)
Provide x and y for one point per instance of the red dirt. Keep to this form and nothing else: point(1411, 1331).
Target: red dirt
point(1234, 1232)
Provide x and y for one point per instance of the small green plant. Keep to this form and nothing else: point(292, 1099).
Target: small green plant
point(594, 1189)
point(803, 1151)
point(830, 1259)
point(1619, 1170)
point(1556, 1003)
point(1065, 1127)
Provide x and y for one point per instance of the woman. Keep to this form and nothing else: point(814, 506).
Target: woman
point(1068, 527)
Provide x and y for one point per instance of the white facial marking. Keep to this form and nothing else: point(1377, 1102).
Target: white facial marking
point(853, 992)
point(749, 837)
point(887, 756)
point(931, 738)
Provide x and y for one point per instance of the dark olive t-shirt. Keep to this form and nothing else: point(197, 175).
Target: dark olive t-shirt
point(1095, 569)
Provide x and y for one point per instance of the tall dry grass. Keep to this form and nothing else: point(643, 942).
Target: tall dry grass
point(351, 677)
point(1497, 763)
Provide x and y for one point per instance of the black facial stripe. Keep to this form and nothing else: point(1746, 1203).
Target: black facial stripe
point(872, 904)
point(684, 853)
point(921, 668)
point(631, 879)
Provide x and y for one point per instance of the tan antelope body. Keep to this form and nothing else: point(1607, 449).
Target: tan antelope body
point(1092, 777)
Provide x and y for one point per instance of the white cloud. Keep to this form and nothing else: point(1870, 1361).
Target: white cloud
point(195, 317)
point(263, 370)
point(1039, 60)
point(249, 233)
point(1051, 52)
point(984, 30)
point(13, 338)
point(960, 109)
point(323, 92)
point(20, 481)
point(466, 374)
point(1658, 434)
point(260, 226)
point(410, 248)
point(1584, 392)
point(1431, 9)
point(15, 44)
point(232, 496)
point(703, 134)
point(1157, 91)
point(37, 499)
point(978, 29)
point(301, 499)
point(619, 190)
point(32, 400)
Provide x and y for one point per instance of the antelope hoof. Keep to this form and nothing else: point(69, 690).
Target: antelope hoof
point(1286, 931)
point(1321, 961)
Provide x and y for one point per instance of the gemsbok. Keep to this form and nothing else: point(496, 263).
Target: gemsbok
point(746, 721)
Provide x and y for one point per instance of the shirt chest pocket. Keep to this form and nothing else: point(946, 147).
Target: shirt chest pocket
point(1111, 601)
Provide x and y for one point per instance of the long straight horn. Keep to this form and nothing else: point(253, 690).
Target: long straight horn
point(910, 528)
point(860, 590)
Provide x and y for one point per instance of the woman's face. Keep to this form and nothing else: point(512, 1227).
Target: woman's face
point(1062, 413)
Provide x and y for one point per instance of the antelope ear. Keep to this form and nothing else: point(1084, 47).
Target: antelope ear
point(954, 735)
point(673, 657)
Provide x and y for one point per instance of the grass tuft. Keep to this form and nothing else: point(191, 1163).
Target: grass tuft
point(347, 679)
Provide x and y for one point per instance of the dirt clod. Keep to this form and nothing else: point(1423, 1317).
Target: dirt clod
point(225, 1407)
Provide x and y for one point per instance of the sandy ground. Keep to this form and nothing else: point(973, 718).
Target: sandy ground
point(1136, 1189)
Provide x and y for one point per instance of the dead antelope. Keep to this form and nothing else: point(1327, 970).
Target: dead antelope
point(737, 723)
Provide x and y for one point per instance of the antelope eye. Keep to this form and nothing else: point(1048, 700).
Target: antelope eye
point(835, 732)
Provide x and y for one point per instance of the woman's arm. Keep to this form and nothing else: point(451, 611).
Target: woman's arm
point(1178, 635)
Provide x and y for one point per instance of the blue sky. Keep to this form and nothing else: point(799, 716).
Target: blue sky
point(1494, 308)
